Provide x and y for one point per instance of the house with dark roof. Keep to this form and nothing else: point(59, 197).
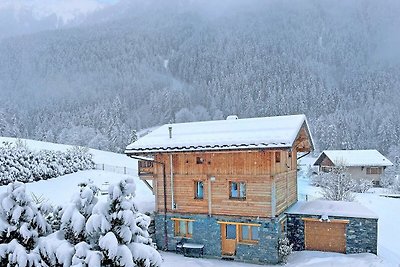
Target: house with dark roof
point(361, 164)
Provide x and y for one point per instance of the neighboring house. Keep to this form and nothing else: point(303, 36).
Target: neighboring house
point(361, 164)
point(225, 186)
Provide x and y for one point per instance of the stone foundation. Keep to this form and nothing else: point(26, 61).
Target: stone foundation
point(207, 231)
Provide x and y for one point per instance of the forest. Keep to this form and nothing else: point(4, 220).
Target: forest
point(158, 62)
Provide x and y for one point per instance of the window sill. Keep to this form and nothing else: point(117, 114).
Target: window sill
point(248, 242)
point(237, 198)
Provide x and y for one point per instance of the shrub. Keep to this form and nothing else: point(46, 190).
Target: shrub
point(284, 249)
point(18, 163)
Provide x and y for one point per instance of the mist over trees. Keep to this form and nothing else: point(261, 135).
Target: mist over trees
point(156, 62)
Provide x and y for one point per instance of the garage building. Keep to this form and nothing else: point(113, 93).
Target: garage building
point(334, 226)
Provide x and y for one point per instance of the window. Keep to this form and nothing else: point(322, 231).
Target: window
point(199, 189)
point(277, 157)
point(248, 233)
point(183, 227)
point(326, 168)
point(199, 160)
point(374, 170)
point(231, 231)
point(237, 190)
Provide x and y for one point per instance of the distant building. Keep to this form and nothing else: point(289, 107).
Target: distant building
point(361, 164)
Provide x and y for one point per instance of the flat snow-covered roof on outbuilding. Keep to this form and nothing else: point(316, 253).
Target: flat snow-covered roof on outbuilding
point(332, 208)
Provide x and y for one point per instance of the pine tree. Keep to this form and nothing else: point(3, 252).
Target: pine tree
point(21, 225)
point(119, 232)
point(60, 247)
point(76, 214)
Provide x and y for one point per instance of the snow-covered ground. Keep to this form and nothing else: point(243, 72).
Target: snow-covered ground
point(58, 191)
point(297, 259)
point(61, 189)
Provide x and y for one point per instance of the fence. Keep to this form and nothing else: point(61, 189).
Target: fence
point(116, 169)
point(307, 197)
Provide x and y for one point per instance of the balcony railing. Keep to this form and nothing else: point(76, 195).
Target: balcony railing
point(145, 169)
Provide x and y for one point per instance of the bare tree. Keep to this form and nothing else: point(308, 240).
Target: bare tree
point(338, 184)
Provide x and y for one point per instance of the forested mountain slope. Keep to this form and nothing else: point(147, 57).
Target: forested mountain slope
point(336, 61)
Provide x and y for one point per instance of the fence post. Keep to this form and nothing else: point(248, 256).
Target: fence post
point(124, 170)
point(306, 197)
point(103, 166)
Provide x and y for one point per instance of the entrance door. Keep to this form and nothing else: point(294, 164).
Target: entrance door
point(228, 237)
point(325, 236)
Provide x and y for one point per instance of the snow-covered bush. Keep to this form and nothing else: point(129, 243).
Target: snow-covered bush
point(284, 249)
point(337, 184)
point(72, 229)
point(76, 214)
point(319, 179)
point(18, 163)
point(362, 185)
point(93, 233)
point(21, 225)
point(119, 232)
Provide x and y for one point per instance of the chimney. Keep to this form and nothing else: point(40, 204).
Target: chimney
point(170, 131)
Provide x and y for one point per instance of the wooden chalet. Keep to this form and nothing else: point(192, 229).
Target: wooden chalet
point(224, 184)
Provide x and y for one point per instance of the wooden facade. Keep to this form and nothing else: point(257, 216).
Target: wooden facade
point(266, 173)
point(269, 177)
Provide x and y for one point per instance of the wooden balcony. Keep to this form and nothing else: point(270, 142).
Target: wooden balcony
point(146, 170)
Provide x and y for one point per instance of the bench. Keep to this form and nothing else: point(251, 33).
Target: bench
point(192, 250)
point(189, 249)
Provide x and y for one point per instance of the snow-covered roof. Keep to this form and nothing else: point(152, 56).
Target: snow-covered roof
point(252, 133)
point(332, 208)
point(355, 158)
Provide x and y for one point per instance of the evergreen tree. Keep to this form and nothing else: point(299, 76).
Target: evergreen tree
point(119, 232)
point(21, 225)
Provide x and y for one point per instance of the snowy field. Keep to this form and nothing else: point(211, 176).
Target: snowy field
point(60, 190)
point(297, 259)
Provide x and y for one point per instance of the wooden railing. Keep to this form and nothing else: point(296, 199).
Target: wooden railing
point(145, 169)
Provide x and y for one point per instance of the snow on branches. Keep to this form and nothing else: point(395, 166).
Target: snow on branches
point(119, 231)
point(21, 225)
point(86, 232)
point(338, 184)
point(21, 164)
point(94, 233)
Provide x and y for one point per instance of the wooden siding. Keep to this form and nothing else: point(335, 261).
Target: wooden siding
point(257, 169)
point(326, 162)
point(303, 140)
point(325, 236)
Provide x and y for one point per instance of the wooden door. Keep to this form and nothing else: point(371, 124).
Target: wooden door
point(325, 236)
point(228, 239)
